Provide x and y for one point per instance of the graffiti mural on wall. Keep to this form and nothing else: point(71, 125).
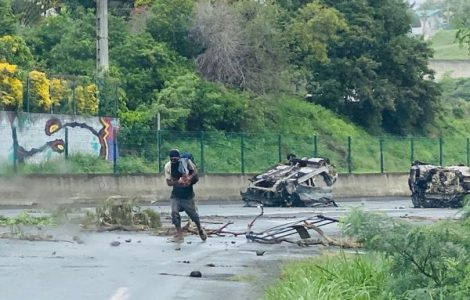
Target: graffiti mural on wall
point(39, 137)
point(104, 135)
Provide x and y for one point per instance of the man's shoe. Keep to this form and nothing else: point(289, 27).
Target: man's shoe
point(202, 234)
point(178, 238)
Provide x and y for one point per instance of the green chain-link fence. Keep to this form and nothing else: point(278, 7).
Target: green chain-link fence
point(218, 152)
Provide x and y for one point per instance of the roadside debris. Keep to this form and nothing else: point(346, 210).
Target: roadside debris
point(294, 183)
point(115, 243)
point(195, 274)
point(120, 213)
point(437, 186)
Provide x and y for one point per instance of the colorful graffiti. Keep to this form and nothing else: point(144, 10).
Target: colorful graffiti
point(104, 135)
point(93, 135)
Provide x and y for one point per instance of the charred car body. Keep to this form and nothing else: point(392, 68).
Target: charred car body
point(300, 182)
point(437, 186)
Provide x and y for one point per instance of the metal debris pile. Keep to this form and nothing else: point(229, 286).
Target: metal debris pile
point(295, 183)
point(438, 186)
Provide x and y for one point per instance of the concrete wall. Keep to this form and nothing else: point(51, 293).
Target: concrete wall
point(42, 136)
point(454, 68)
point(55, 189)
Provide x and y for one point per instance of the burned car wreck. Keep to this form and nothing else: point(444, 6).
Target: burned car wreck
point(299, 182)
point(438, 186)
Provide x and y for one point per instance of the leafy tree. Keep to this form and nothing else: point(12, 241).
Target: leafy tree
point(143, 66)
point(187, 102)
point(170, 24)
point(7, 19)
point(39, 95)
point(11, 87)
point(14, 50)
point(375, 73)
point(463, 35)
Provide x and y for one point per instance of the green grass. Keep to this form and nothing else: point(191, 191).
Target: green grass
point(446, 47)
point(352, 277)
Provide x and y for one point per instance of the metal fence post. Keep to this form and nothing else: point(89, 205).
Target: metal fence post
point(66, 146)
point(412, 150)
point(381, 142)
point(440, 151)
point(280, 147)
point(159, 145)
point(315, 147)
point(242, 152)
point(114, 151)
point(202, 152)
point(349, 155)
point(468, 152)
point(15, 149)
point(27, 93)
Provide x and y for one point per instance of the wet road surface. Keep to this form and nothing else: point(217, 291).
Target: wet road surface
point(150, 267)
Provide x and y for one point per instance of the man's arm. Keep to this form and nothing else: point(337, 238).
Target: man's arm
point(193, 177)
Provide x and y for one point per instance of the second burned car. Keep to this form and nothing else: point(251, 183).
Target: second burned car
point(438, 186)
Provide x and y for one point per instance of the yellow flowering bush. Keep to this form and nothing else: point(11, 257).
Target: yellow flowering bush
point(59, 92)
point(11, 88)
point(87, 99)
point(39, 95)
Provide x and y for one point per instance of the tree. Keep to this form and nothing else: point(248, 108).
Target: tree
point(187, 102)
point(7, 19)
point(242, 44)
point(143, 66)
point(14, 50)
point(170, 24)
point(463, 35)
point(11, 88)
point(375, 73)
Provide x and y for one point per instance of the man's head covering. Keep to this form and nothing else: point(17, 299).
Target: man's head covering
point(174, 153)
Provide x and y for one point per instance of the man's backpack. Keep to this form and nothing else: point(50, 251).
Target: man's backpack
point(189, 155)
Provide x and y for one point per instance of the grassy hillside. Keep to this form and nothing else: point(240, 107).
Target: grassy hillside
point(446, 47)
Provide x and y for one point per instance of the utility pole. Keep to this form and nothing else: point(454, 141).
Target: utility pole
point(102, 60)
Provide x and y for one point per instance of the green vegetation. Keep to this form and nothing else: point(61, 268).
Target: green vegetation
point(26, 219)
point(123, 212)
point(446, 46)
point(332, 277)
point(204, 65)
point(403, 261)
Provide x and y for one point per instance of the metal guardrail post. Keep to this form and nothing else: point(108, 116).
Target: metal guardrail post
point(441, 142)
point(349, 155)
point(66, 146)
point(280, 147)
point(242, 152)
point(381, 156)
point(202, 152)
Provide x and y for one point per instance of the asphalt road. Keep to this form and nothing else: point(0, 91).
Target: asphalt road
point(150, 267)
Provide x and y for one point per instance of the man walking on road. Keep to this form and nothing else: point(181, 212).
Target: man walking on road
point(181, 174)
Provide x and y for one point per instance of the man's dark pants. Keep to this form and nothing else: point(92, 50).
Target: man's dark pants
point(187, 205)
